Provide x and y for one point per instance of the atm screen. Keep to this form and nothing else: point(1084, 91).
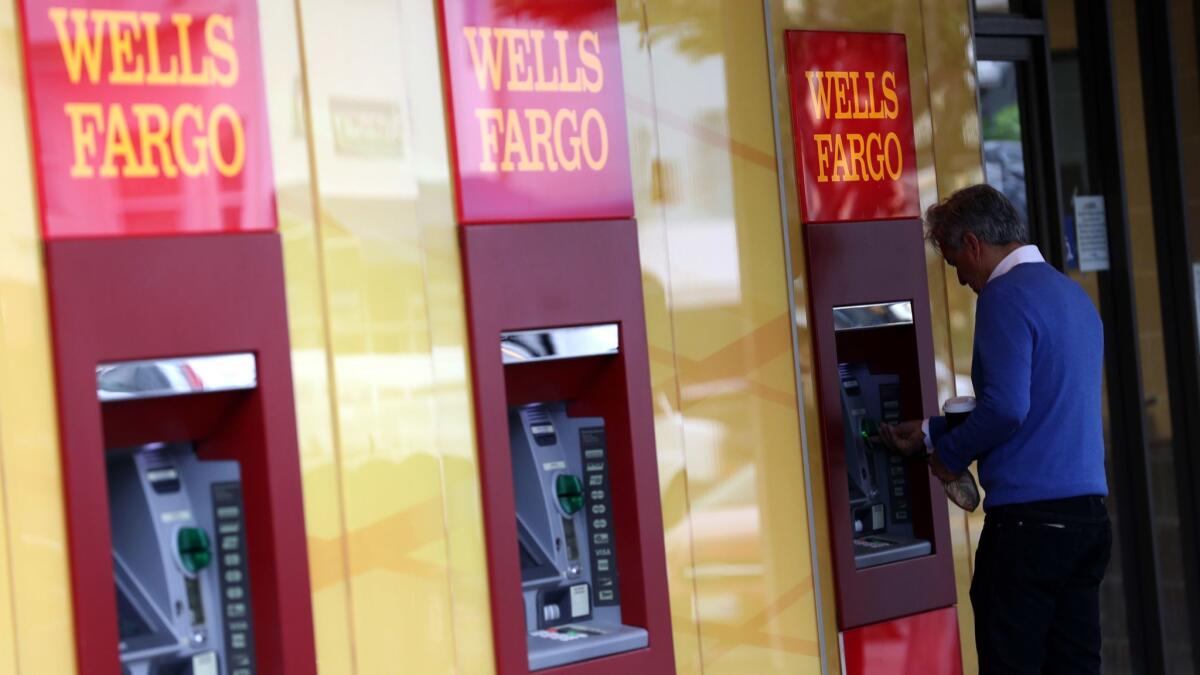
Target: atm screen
point(528, 562)
point(130, 622)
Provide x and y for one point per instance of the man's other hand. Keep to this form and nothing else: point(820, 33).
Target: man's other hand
point(905, 438)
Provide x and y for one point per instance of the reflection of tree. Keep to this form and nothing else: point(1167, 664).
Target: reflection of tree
point(1004, 124)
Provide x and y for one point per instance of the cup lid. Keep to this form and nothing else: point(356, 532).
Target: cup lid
point(959, 404)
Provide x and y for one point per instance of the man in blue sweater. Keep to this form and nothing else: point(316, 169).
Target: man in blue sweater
point(1037, 436)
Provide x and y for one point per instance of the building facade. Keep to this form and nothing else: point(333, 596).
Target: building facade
point(1086, 114)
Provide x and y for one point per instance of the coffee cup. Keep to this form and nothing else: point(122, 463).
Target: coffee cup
point(963, 491)
point(957, 410)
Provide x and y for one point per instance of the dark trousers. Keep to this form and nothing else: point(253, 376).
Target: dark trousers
point(1036, 590)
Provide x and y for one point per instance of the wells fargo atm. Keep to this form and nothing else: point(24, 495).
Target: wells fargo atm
point(564, 422)
point(172, 366)
point(870, 320)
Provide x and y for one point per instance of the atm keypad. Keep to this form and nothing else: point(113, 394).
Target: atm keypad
point(239, 641)
point(599, 522)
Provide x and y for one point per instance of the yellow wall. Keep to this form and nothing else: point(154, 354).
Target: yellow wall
point(36, 634)
point(729, 436)
point(391, 482)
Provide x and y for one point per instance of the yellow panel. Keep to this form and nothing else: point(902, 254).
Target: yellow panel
point(452, 420)
point(392, 296)
point(29, 457)
point(8, 638)
point(704, 166)
point(310, 373)
point(650, 194)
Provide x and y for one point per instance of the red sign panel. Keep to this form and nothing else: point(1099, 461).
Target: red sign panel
point(149, 117)
point(539, 110)
point(852, 121)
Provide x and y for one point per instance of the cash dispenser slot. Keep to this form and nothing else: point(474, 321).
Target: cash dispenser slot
point(876, 387)
point(181, 573)
point(563, 492)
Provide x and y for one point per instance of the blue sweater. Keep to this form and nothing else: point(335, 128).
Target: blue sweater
point(1037, 369)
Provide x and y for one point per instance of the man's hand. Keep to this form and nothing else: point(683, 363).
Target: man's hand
point(905, 438)
point(938, 469)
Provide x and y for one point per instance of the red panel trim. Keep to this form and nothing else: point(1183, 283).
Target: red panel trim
point(922, 644)
point(563, 274)
point(123, 299)
point(858, 263)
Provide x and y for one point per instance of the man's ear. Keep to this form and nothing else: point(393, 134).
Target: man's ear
point(971, 244)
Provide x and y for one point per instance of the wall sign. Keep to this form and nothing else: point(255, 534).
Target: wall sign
point(852, 122)
point(1091, 233)
point(148, 117)
point(538, 106)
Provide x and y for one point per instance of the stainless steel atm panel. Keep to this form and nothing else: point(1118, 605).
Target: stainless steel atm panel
point(566, 538)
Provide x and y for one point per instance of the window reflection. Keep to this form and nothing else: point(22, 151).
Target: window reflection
point(1003, 149)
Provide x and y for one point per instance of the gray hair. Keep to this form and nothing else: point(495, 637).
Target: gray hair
point(979, 209)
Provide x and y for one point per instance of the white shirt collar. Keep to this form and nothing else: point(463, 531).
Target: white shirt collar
point(1026, 254)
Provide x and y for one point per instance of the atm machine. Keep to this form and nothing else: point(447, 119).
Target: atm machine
point(184, 512)
point(181, 583)
point(560, 368)
point(869, 317)
point(577, 564)
point(172, 366)
point(878, 479)
point(564, 529)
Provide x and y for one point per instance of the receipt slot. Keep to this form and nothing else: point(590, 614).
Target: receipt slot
point(185, 520)
point(577, 565)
